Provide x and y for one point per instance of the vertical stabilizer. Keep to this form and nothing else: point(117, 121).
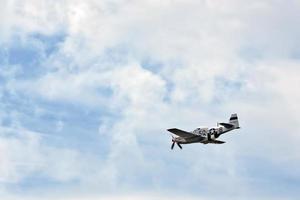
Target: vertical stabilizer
point(234, 120)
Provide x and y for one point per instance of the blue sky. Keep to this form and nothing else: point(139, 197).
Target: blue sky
point(88, 89)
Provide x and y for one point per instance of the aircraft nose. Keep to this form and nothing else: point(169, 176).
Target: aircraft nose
point(173, 139)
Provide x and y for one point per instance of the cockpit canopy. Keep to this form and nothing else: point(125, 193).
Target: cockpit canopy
point(204, 131)
point(200, 130)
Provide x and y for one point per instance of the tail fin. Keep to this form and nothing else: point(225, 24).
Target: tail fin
point(234, 120)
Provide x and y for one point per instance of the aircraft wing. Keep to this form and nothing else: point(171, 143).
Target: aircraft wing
point(181, 133)
point(216, 142)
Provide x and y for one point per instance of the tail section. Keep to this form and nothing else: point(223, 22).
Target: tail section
point(234, 120)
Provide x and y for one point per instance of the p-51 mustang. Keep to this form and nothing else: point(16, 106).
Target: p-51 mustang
point(204, 135)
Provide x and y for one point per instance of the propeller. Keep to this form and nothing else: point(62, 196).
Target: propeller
point(173, 143)
point(179, 145)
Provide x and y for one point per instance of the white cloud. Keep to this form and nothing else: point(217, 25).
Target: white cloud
point(111, 197)
point(215, 58)
point(31, 16)
point(18, 156)
point(25, 154)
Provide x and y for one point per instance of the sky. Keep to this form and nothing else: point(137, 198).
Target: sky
point(88, 89)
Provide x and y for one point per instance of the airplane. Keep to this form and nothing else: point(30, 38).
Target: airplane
point(204, 135)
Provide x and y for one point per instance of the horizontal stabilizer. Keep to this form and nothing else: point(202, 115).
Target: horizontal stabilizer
point(227, 125)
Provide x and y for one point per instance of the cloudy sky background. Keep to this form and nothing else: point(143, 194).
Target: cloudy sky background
point(88, 89)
